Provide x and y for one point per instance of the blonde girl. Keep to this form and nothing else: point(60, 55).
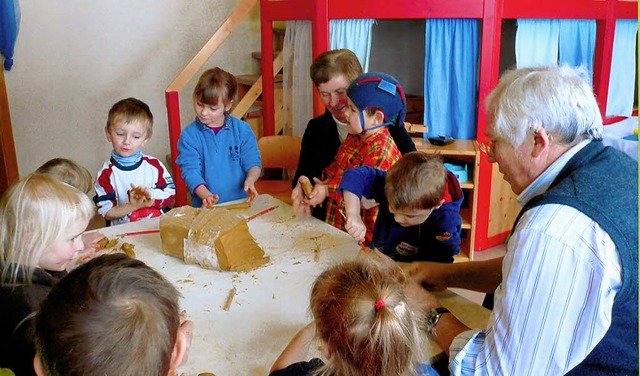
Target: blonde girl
point(363, 321)
point(41, 223)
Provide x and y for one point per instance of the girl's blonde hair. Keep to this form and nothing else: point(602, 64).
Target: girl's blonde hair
point(34, 213)
point(362, 315)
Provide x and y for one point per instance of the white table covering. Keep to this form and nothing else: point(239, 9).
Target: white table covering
point(271, 303)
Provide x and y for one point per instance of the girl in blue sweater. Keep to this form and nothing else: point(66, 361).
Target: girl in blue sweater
point(218, 153)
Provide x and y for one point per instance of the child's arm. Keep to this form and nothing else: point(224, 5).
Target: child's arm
point(163, 190)
point(354, 226)
point(296, 350)
point(190, 158)
point(249, 183)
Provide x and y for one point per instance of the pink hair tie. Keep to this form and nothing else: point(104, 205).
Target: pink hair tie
point(379, 304)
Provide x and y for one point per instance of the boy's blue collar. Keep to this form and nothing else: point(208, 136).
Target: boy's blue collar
point(127, 162)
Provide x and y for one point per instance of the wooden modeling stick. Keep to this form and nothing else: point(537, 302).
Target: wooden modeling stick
point(227, 304)
point(307, 187)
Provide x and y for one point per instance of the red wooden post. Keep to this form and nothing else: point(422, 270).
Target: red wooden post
point(173, 117)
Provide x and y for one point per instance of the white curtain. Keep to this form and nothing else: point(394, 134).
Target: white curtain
point(354, 35)
point(297, 86)
point(623, 69)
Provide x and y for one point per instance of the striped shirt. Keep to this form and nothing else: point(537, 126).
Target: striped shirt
point(560, 274)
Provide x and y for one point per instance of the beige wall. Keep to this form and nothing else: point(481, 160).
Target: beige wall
point(75, 58)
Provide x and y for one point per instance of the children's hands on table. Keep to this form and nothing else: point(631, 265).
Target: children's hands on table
point(209, 201)
point(252, 193)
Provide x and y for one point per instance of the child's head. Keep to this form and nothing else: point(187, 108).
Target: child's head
point(41, 220)
point(129, 126)
point(364, 321)
point(69, 172)
point(376, 99)
point(332, 72)
point(111, 316)
point(414, 187)
point(213, 96)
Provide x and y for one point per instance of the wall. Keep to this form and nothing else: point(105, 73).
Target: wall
point(74, 59)
point(397, 48)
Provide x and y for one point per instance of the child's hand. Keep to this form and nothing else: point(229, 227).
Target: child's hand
point(356, 228)
point(141, 203)
point(209, 201)
point(250, 188)
point(139, 193)
point(90, 241)
point(319, 193)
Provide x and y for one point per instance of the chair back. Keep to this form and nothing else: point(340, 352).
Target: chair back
point(280, 151)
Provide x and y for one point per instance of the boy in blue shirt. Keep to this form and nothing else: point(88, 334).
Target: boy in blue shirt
point(419, 216)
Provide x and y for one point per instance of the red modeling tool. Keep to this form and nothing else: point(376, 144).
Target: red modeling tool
point(141, 232)
point(262, 213)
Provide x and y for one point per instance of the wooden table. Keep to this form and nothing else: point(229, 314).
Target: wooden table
point(271, 303)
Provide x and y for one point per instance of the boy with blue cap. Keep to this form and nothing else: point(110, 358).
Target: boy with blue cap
point(376, 101)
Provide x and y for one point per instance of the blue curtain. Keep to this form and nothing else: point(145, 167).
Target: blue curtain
point(354, 35)
point(450, 77)
point(623, 69)
point(9, 23)
point(537, 42)
point(577, 43)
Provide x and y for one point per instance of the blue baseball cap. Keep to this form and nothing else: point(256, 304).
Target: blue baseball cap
point(382, 91)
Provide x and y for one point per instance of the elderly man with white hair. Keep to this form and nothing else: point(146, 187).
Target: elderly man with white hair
point(566, 292)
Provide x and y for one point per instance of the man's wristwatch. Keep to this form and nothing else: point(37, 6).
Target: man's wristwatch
point(432, 317)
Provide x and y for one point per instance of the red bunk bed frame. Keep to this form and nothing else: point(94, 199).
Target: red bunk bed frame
point(490, 12)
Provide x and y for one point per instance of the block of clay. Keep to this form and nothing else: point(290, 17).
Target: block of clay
point(174, 229)
point(221, 239)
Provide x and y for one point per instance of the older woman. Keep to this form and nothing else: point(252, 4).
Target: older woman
point(332, 72)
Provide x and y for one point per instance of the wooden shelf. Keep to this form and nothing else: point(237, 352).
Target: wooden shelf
point(456, 148)
point(461, 151)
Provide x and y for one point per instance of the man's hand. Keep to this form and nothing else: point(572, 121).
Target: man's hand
point(419, 299)
point(431, 275)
